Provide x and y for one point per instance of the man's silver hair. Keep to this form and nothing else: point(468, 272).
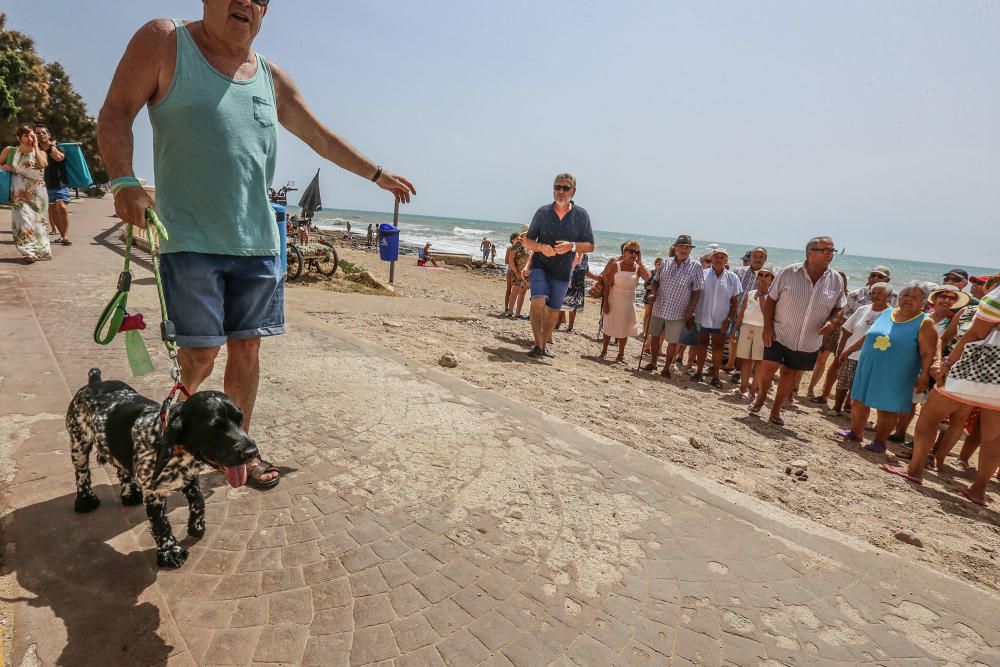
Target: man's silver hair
point(882, 286)
point(567, 176)
point(815, 241)
point(917, 286)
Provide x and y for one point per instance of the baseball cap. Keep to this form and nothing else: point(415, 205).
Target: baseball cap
point(962, 273)
point(716, 251)
point(979, 280)
point(884, 270)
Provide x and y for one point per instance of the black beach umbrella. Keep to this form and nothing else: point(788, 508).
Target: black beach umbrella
point(311, 201)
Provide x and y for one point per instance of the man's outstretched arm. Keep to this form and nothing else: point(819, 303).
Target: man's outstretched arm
point(298, 118)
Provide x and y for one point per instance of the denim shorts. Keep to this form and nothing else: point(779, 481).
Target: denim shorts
point(544, 286)
point(58, 194)
point(212, 298)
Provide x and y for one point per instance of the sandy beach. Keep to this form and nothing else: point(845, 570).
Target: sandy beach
point(690, 424)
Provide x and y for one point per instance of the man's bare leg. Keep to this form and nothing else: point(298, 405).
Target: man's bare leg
point(538, 317)
point(765, 375)
point(654, 352)
point(549, 323)
point(989, 453)
point(786, 385)
point(196, 365)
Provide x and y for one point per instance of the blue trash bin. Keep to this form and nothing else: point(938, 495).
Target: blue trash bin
point(388, 243)
point(280, 214)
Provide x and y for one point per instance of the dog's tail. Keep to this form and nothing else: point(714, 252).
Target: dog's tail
point(94, 376)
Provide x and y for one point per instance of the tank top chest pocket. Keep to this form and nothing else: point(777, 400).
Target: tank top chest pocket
point(264, 112)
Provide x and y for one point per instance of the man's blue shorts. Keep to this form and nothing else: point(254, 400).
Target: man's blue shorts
point(692, 336)
point(61, 194)
point(212, 298)
point(543, 286)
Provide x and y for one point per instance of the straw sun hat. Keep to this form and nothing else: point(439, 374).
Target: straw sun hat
point(963, 297)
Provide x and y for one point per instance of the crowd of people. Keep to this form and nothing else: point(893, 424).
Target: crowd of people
point(876, 347)
point(39, 192)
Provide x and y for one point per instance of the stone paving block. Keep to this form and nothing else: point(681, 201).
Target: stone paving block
point(232, 647)
point(273, 518)
point(435, 587)
point(413, 633)
point(435, 523)
point(497, 660)
point(251, 506)
point(415, 534)
point(447, 617)
point(461, 571)
point(259, 560)
point(740, 650)
point(333, 524)
point(304, 510)
point(337, 544)
point(282, 643)
point(656, 636)
point(499, 585)
point(249, 612)
point(420, 563)
point(367, 532)
point(211, 614)
point(236, 586)
point(407, 600)
point(552, 632)
point(368, 582)
point(328, 651)
point(282, 580)
point(634, 653)
point(529, 652)
point(301, 532)
point(394, 521)
point(322, 570)
point(301, 554)
point(332, 593)
point(373, 644)
point(521, 610)
point(442, 549)
point(230, 540)
point(290, 607)
point(330, 504)
point(373, 610)
point(588, 652)
point(214, 561)
point(390, 548)
point(333, 621)
point(359, 559)
point(278, 500)
point(425, 657)
point(240, 523)
point(697, 648)
point(474, 600)
point(493, 630)
point(396, 573)
point(461, 649)
point(264, 538)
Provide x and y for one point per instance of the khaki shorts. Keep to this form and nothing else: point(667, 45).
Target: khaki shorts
point(669, 329)
point(751, 343)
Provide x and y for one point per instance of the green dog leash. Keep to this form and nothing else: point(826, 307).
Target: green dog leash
point(115, 317)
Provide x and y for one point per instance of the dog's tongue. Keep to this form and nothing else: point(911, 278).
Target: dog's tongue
point(236, 476)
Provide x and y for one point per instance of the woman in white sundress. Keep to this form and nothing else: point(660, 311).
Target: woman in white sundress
point(28, 198)
point(621, 277)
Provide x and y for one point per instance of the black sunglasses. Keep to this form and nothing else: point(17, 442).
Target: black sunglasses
point(260, 3)
point(562, 188)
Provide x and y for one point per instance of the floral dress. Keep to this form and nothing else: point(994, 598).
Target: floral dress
point(29, 200)
point(519, 261)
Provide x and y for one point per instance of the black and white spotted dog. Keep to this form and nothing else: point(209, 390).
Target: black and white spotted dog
point(155, 455)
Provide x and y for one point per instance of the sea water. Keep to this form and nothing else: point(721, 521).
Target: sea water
point(465, 236)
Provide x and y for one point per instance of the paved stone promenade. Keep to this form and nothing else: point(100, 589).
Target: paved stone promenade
point(421, 521)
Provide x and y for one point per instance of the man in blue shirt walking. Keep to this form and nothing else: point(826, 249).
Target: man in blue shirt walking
point(558, 232)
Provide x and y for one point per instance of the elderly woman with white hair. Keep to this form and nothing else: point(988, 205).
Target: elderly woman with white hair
point(854, 330)
point(896, 357)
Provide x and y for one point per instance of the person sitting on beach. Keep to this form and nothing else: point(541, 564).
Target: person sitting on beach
point(557, 232)
point(948, 397)
point(753, 261)
point(720, 297)
point(425, 256)
point(518, 269)
point(750, 323)
point(621, 278)
point(853, 330)
point(678, 286)
point(222, 277)
point(800, 306)
point(895, 363)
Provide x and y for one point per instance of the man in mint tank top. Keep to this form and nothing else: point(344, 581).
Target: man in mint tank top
point(214, 104)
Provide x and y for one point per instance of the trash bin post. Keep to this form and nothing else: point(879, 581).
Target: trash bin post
point(395, 223)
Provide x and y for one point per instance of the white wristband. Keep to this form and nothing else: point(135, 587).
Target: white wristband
point(574, 247)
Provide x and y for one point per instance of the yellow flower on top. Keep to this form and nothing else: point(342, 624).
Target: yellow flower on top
point(882, 343)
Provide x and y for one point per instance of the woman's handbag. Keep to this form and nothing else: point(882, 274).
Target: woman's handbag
point(975, 377)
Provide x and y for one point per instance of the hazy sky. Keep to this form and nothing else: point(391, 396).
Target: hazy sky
point(753, 122)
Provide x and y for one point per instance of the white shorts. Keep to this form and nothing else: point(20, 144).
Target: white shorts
point(751, 343)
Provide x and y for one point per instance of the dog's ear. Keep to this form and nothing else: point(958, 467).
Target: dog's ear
point(171, 436)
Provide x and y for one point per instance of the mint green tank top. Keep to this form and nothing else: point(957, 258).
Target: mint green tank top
point(214, 149)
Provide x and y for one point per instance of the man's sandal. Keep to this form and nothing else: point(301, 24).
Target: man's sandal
point(258, 470)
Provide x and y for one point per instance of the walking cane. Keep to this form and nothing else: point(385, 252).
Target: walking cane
point(642, 350)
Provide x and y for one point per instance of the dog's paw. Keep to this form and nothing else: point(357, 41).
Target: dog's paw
point(172, 556)
point(196, 527)
point(131, 495)
point(86, 503)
